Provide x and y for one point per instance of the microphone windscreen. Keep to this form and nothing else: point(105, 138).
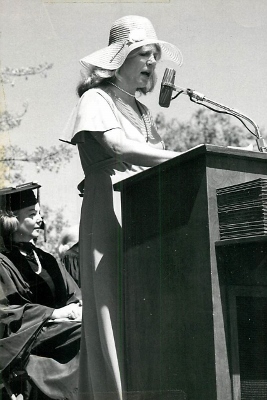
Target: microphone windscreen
point(165, 90)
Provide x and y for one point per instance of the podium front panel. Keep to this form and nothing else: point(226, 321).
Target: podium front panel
point(174, 326)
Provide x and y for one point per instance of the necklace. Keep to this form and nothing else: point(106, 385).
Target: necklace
point(142, 124)
point(145, 127)
point(122, 90)
point(38, 263)
point(27, 250)
point(145, 120)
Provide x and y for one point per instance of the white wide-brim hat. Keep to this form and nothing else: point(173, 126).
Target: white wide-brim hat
point(127, 34)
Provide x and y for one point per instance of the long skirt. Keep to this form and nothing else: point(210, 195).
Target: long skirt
point(101, 367)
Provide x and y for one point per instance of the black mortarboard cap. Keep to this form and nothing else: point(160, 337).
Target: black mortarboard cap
point(18, 197)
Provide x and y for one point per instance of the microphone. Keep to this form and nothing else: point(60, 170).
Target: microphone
point(167, 87)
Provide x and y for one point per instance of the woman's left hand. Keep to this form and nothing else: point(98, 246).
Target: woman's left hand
point(72, 311)
point(76, 312)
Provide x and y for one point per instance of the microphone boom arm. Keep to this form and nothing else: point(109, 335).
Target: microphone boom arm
point(199, 98)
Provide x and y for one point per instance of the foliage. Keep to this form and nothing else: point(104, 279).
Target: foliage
point(204, 126)
point(8, 74)
point(10, 120)
point(13, 158)
point(50, 159)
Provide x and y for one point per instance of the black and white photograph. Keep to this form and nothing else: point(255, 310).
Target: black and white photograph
point(133, 200)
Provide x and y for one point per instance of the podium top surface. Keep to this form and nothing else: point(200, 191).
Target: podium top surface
point(224, 156)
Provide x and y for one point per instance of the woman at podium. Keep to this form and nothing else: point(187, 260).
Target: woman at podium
point(116, 138)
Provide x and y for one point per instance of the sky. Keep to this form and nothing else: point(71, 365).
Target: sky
point(223, 45)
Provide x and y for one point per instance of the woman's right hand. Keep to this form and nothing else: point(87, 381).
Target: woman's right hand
point(72, 311)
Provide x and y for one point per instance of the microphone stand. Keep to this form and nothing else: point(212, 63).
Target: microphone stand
point(199, 98)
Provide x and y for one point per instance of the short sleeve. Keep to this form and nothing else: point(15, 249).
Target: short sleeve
point(94, 113)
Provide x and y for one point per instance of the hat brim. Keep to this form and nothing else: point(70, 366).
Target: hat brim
point(113, 56)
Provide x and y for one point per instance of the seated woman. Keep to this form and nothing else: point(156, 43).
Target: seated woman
point(68, 251)
point(40, 304)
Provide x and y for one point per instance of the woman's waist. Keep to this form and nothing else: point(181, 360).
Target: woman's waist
point(109, 170)
point(109, 165)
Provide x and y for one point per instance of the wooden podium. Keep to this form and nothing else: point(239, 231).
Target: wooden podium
point(178, 332)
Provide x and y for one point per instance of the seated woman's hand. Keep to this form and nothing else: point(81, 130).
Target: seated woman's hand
point(72, 311)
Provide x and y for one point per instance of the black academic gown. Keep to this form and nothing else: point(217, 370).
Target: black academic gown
point(70, 260)
point(49, 348)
